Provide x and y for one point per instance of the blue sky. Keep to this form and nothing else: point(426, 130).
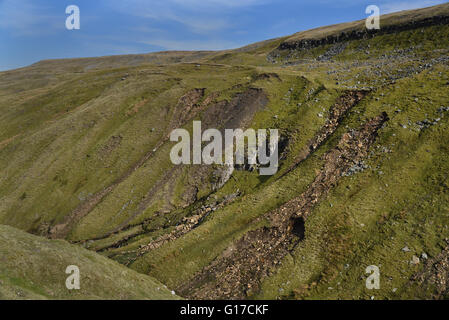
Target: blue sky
point(32, 30)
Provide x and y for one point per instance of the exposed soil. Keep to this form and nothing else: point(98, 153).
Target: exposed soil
point(236, 113)
point(267, 76)
point(110, 146)
point(188, 105)
point(239, 271)
point(435, 276)
point(187, 224)
point(344, 103)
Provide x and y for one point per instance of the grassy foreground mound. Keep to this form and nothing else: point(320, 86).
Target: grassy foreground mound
point(32, 267)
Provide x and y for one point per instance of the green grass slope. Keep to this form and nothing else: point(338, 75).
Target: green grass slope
point(32, 267)
point(387, 20)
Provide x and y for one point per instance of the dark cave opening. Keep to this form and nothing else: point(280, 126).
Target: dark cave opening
point(297, 227)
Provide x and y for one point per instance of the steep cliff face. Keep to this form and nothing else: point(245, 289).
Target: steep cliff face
point(363, 124)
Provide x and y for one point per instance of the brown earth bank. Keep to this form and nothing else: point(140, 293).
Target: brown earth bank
point(434, 278)
point(343, 104)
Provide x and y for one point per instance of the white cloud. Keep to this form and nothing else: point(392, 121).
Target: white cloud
point(199, 16)
point(192, 44)
point(204, 26)
point(25, 18)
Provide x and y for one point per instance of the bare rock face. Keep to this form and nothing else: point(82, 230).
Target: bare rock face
point(223, 175)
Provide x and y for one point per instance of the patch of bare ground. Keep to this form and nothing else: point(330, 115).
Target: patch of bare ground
point(435, 276)
point(187, 224)
point(344, 103)
point(239, 271)
point(267, 76)
point(110, 146)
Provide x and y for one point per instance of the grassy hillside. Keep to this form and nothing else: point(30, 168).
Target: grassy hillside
point(393, 19)
point(34, 268)
point(363, 176)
